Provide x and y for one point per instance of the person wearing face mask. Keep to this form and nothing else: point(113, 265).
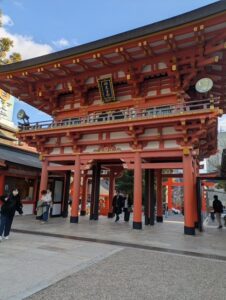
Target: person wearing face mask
point(11, 204)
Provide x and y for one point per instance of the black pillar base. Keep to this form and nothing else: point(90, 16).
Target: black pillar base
point(146, 220)
point(137, 225)
point(74, 220)
point(82, 213)
point(65, 214)
point(189, 230)
point(159, 219)
point(196, 225)
point(111, 215)
point(94, 217)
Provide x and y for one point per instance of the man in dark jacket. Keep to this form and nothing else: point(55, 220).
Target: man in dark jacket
point(117, 203)
point(127, 207)
point(218, 209)
point(11, 204)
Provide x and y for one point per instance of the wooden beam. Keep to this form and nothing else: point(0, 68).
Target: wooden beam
point(158, 166)
point(61, 168)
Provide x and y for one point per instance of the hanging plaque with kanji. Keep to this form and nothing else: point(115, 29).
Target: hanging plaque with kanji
point(106, 89)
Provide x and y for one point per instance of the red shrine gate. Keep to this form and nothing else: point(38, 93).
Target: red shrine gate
point(129, 102)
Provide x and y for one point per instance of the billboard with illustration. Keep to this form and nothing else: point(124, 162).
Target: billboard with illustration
point(6, 106)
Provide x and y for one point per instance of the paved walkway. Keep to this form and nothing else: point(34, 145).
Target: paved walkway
point(167, 235)
point(52, 261)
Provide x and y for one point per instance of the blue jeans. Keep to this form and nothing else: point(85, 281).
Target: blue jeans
point(5, 224)
point(46, 214)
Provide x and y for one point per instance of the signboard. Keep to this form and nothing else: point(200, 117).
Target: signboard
point(106, 89)
point(6, 106)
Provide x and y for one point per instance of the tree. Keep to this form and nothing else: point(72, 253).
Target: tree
point(125, 183)
point(5, 46)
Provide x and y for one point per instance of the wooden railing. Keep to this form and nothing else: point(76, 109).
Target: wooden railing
point(124, 114)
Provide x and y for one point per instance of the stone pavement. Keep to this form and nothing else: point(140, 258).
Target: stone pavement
point(172, 266)
point(167, 235)
point(138, 274)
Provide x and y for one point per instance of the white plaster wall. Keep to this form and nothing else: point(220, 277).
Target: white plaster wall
point(118, 135)
point(76, 105)
point(152, 145)
point(124, 146)
point(55, 151)
point(150, 132)
point(68, 150)
point(165, 91)
point(90, 137)
point(168, 130)
point(51, 141)
point(152, 93)
point(121, 74)
point(123, 98)
point(162, 65)
point(93, 148)
point(90, 80)
point(147, 68)
point(96, 102)
point(171, 144)
point(65, 139)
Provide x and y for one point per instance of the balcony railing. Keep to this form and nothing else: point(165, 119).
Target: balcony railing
point(124, 114)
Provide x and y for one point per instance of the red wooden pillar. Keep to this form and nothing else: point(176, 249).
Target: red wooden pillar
point(195, 195)
point(137, 208)
point(170, 193)
point(76, 191)
point(189, 226)
point(111, 193)
point(159, 217)
point(44, 177)
point(84, 195)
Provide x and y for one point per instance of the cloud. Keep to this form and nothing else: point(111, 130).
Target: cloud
point(61, 43)
point(7, 21)
point(25, 45)
point(18, 4)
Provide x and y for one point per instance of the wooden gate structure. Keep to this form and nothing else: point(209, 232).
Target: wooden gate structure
point(129, 102)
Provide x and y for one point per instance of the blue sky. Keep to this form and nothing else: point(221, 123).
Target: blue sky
point(43, 26)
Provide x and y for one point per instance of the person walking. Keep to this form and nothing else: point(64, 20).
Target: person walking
point(40, 209)
point(127, 207)
point(47, 202)
point(218, 209)
point(11, 204)
point(117, 204)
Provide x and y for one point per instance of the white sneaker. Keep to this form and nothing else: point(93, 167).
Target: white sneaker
point(6, 237)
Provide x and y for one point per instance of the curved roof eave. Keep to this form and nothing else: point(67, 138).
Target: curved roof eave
point(194, 15)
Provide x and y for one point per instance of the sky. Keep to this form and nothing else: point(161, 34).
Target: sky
point(39, 27)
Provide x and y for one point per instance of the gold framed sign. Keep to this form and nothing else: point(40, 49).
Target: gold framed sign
point(106, 89)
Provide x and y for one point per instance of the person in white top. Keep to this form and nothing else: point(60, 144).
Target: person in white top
point(48, 202)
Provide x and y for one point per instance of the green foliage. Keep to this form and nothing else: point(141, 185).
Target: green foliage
point(221, 185)
point(5, 46)
point(125, 183)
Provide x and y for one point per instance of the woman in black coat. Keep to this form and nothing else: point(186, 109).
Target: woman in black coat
point(11, 204)
point(117, 204)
